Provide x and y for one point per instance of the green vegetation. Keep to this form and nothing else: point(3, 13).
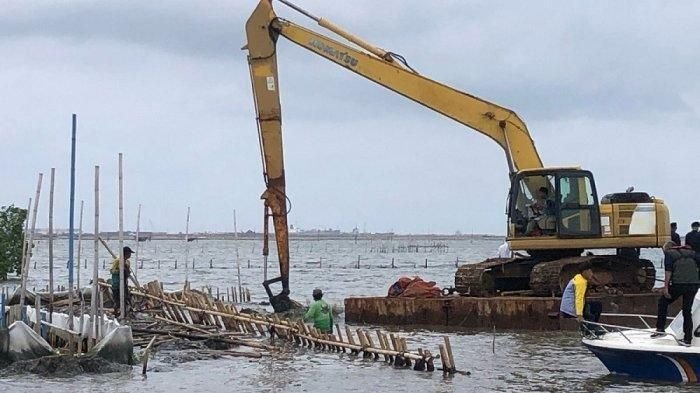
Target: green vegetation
point(11, 238)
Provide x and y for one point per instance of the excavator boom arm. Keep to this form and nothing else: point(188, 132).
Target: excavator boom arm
point(500, 124)
point(263, 28)
point(263, 74)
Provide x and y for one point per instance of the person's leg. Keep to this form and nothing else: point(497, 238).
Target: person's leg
point(688, 297)
point(663, 309)
point(592, 310)
point(591, 313)
point(115, 298)
point(127, 299)
point(661, 314)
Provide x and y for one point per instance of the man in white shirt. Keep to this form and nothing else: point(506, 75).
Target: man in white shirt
point(504, 251)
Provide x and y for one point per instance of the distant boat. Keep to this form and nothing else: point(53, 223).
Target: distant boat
point(191, 239)
point(145, 238)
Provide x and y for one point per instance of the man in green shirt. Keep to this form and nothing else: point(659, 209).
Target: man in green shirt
point(320, 313)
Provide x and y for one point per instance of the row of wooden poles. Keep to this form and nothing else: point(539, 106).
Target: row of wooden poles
point(357, 264)
point(29, 234)
point(174, 263)
point(191, 309)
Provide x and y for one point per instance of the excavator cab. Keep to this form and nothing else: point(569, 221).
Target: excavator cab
point(553, 204)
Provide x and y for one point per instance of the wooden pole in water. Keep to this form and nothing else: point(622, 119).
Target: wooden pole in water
point(81, 322)
point(37, 315)
point(25, 234)
point(122, 270)
point(71, 233)
point(493, 342)
point(448, 350)
point(51, 189)
point(80, 244)
point(100, 321)
point(146, 355)
point(446, 366)
point(2, 308)
point(28, 256)
point(96, 261)
point(238, 261)
point(187, 242)
point(138, 242)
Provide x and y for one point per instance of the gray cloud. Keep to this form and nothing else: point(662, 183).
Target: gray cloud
point(600, 84)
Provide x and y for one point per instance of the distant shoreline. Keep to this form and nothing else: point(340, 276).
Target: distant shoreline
point(308, 236)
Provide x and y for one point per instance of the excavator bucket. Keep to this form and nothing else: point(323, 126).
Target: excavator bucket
point(280, 302)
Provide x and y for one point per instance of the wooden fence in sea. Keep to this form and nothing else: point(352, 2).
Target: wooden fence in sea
point(196, 311)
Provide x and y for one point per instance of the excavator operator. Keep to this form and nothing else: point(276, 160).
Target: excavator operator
point(542, 213)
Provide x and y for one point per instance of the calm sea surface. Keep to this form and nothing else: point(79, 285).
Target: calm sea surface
point(522, 362)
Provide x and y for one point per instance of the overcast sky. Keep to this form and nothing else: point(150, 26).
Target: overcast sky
point(610, 86)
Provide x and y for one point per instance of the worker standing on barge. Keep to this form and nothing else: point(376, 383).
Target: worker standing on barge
point(573, 300)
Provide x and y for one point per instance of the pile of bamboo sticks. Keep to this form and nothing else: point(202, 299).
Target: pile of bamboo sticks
point(197, 312)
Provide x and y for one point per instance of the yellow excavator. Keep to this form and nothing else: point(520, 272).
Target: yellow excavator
point(554, 214)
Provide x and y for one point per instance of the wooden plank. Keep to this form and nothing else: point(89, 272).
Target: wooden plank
point(446, 366)
point(184, 325)
point(351, 340)
point(448, 351)
point(147, 353)
point(368, 339)
point(382, 344)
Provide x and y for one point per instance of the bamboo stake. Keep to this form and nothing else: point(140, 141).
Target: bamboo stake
point(138, 243)
point(100, 330)
point(96, 260)
point(387, 346)
point(245, 343)
point(382, 344)
point(28, 256)
point(26, 233)
point(404, 348)
point(340, 335)
point(368, 339)
point(184, 325)
point(392, 340)
point(493, 342)
point(238, 261)
point(146, 354)
point(348, 332)
point(71, 233)
point(51, 189)
point(82, 322)
point(448, 350)
point(122, 275)
point(446, 366)
point(187, 242)
point(80, 243)
point(37, 315)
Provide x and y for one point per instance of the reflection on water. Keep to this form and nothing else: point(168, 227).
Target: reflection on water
point(522, 362)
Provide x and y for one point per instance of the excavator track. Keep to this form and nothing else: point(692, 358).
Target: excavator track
point(615, 274)
point(493, 275)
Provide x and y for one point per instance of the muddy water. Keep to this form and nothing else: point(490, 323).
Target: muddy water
point(536, 362)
